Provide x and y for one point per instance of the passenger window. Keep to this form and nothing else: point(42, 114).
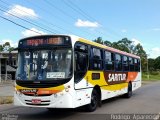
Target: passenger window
point(125, 63)
point(131, 64)
point(109, 61)
point(96, 59)
point(137, 65)
point(118, 62)
point(80, 62)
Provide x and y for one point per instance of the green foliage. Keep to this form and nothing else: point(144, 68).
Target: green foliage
point(151, 63)
point(154, 72)
point(154, 75)
point(6, 47)
point(6, 44)
point(157, 63)
point(108, 43)
point(1, 48)
point(99, 40)
point(125, 45)
point(11, 49)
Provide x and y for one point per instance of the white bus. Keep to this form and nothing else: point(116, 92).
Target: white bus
point(66, 71)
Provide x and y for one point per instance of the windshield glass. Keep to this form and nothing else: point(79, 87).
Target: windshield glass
point(44, 64)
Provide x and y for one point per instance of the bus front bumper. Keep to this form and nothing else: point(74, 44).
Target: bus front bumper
point(59, 100)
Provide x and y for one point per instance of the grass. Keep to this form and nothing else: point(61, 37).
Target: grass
point(6, 99)
point(151, 76)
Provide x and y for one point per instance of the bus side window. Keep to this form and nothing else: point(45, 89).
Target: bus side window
point(118, 62)
point(109, 61)
point(96, 59)
point(131, 64)
point(80, 61)
point(137, 65)
point(125, 63)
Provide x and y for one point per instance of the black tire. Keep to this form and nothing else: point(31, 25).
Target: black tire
point(129, 93)
point(51, 109)
point(94, 102)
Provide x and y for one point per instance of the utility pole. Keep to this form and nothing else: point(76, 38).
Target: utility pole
point(147, 67)
point(0, 71)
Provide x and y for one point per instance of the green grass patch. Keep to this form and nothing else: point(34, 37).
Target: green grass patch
point(6, 99)
point(154, 75)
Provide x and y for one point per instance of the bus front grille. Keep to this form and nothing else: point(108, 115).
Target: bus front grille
point(37, 94)
point(43, 102)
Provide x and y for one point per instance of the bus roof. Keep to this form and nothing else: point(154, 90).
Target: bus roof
point(77, 38)
point(106, 47)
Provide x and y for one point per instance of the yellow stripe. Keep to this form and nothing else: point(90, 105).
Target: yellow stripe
point(92, 43)
point(60, 88)
point(99, 82)
point(102, 82)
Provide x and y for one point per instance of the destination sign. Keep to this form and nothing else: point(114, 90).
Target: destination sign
point(36, 42)
point(45, 40)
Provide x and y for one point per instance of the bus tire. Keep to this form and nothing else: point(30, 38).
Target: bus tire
point(94, 101)
point(129, 92)
point(51, 109)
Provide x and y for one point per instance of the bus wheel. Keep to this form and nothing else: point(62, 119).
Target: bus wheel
point(51, 109)
point(94, 101)
point(129, 93)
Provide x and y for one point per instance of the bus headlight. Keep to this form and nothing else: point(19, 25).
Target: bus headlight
point(67, 88)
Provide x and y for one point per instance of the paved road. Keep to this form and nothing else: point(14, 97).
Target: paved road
point(145, 100)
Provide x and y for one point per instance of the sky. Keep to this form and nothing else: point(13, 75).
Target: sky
point(137, 20)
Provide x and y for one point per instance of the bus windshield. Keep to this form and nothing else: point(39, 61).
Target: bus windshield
point(44, 64)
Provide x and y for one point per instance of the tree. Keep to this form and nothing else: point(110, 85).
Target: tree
point(124, 45)
point(1, 48)
point(138, 50)
point(151, 64)
point(125, 42)
point(107, 43)
point(157, 63)
point(120, 46)
point(6, 46)
point(99, 40)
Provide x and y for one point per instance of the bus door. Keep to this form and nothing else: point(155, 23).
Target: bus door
point(80, 65)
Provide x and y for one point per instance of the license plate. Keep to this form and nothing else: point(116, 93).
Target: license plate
point(36, 101)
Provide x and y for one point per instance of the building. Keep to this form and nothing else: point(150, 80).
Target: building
point(8, 65)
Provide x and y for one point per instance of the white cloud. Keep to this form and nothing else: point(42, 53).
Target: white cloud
point(156, 29)
point(135, 41)
point(21, 11)
point(81, 23)
point(155, 52)
point(123, 30)
point(12, 43)
point(30, 32)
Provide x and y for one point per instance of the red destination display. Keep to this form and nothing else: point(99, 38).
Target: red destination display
point(49, 41)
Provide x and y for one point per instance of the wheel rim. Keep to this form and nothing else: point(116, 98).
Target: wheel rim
point(94, 101)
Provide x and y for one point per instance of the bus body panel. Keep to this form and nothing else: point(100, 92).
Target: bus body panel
point(78, 94)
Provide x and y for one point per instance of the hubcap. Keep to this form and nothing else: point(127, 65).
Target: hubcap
point(94, 100)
